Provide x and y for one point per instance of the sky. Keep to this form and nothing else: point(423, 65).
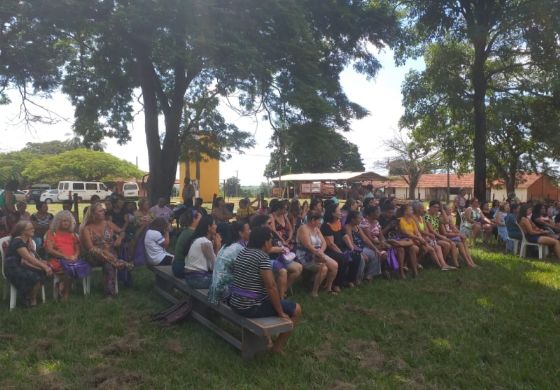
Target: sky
point(380, 96)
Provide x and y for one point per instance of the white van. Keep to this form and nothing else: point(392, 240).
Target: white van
point(130, 190)
point(84, 189)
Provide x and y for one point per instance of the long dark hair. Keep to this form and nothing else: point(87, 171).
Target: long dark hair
point(201, 230)
point(235, 229)
point(523, 212)
point(347, 206)
point(329, 213)
point(537, 211)
point(352, 214)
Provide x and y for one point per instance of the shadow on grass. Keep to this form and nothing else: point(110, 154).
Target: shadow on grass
point(494, 326)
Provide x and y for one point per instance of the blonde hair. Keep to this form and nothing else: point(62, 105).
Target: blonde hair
point(61, 216)
point(88, 219)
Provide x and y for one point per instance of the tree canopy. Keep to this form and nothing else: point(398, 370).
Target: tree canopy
point(312, 148)
point(79, 164)
point(181, 58)
point(477, 53)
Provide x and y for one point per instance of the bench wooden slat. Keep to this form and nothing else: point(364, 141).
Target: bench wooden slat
point(254, 331)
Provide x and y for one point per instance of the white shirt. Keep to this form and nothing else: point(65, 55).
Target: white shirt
point(201, 256)
point(154, 249)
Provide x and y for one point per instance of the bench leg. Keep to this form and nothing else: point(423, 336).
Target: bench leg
point(252, 344)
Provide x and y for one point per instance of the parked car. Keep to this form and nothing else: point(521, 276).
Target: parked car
point(131, 190)
point(19, 195)
point(34, 194)
point(84, 190)
point(49, 196)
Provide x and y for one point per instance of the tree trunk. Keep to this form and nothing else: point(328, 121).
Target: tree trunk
point(162, 159)
point(480, 85)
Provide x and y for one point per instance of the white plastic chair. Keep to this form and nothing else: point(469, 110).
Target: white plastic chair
point(543, 249)
point(85, 285)
point(7, 284)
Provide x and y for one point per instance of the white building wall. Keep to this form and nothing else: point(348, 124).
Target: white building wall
point(501, 194)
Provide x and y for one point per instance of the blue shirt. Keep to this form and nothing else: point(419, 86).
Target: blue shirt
point(512, 227)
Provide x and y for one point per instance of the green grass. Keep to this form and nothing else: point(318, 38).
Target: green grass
point(492, 327)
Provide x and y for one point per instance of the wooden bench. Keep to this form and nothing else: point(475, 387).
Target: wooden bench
point(254, 331)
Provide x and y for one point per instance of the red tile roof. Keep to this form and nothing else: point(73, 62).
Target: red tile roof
point(524, 180)
point(439, 180)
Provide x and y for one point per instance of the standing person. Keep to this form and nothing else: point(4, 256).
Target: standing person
point(8, 204)
point(235, 240)
point(22, 266)
point(100, 239)
point(202, 248)
point(311, 246)
point(220, 213)
point(63, 246)
point(156, 242)
point(21, 213)
point(189, 221)
point(369, 192)
point(188, 193)
point(41, 221)
point(162, 209)
point(253, 292)
point(198, 202)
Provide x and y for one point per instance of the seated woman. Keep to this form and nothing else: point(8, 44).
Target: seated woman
point(282, 226)
point(143, 216)
point(450, 231)
point(63, 246)
point(339, 248)
point(512, 227)
point(488, 219)
point(253, 291)
point(156, 241)
point(471, 225)
point(294, 215)
point(22, 266)
point(361, 243)
point(431, 224)
point(500, 220)
point(202, 248)
point(311, 246)
point(404, 245)
point(535, 235)
point(286, 270)
point(350, 205)
point(101, 239)
point(371, 227)
point(542, 221)
point(409, 227)
point(235, 240)
point(41, 221)
point(189, 221)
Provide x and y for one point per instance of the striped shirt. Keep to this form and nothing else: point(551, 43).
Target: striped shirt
point(247, 276)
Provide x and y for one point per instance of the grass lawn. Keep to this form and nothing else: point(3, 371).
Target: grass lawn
point(492, 327)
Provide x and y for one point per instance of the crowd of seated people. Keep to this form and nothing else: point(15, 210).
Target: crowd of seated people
point(251, 259)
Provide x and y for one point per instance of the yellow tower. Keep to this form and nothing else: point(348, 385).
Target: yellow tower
point(207, 174)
